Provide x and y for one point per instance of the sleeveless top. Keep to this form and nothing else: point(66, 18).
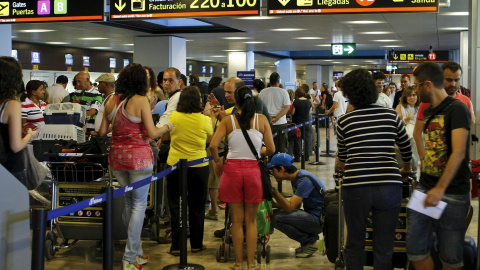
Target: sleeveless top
point(12, 164)
point(130, 147)
point(238, 146)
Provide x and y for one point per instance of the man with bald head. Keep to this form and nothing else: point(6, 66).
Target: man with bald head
point(87, 96)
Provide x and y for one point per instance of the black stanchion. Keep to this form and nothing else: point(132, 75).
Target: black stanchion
point(108, 230)
point(327, 143)
point(303, 151)
point(182, 166)
point(39, 220)
point(317, 146)
point(279, 184)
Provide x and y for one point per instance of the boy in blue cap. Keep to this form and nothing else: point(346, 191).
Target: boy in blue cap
point(300, 225)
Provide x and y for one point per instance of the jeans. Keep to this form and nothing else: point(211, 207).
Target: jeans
point(384, 201)
point(197, 189)
point(297, 150)
point(450, 230)
point(298, 225)
point(134, 212)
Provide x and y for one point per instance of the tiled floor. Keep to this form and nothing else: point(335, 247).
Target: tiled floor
point(84, 254)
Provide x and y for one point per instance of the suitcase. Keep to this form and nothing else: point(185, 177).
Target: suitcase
point(469, 255)
point(330, 226)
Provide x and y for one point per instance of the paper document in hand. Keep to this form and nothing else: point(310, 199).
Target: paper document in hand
point(417, 203)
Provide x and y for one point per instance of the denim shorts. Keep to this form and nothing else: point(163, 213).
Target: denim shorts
point(450, 231)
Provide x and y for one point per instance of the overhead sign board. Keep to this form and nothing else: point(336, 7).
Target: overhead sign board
point(288, 7)
point(50, 10)
point(343, 49)
point(147, 9)
point(417, 56)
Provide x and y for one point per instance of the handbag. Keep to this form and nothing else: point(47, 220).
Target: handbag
point(266, 183)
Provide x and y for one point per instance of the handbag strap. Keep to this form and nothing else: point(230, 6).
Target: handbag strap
point(116, 110)
point(247, 138)
point(315, 183)
point(437, 111)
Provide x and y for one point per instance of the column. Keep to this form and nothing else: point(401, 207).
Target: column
point(286, 70)
point(160, 53)
point(314, 74)
point(327, 73)
point(474, 62)
point(463, 57)
point(6, 42)
point(237, 61)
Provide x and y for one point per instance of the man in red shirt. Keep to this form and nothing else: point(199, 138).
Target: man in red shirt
point(452, 72)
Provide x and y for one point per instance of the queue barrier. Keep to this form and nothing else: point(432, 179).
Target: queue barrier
point(41, 216)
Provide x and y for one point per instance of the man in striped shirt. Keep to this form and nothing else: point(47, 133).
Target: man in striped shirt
point(372, 182)
point(87, 96)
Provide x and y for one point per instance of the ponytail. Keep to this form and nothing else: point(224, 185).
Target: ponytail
point(244, 98)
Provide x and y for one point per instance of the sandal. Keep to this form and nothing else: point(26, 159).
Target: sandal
point(143, 259)
point(173, 252)
point(195, 250)
point(130, 266)
point(236, 266)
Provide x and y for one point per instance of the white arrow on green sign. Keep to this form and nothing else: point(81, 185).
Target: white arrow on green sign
point(339, 49)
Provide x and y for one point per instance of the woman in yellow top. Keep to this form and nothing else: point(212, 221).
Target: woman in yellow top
point(188, 141)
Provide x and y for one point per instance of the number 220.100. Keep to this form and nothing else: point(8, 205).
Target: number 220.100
point(216, 3)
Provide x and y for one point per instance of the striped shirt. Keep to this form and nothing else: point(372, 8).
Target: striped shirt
point(89, 99)
point(366, 144)
point(32, 112)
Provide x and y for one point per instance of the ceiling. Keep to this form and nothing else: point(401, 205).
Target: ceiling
point(403, 31)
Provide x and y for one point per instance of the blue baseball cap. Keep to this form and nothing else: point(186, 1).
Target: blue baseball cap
point(281, 159)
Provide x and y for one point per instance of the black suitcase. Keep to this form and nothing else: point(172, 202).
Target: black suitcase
point(469, 255)
point(330, 226)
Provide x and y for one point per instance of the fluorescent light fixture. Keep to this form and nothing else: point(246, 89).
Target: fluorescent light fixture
point(308, 38)
point(234, 38)
point(324, 45)
point(336, 62)
point(276, 63)
point(454, 28)
point(178, 22)
point(363, 22)
point(130, 44)
point(36, 30)
point(101, 48)
point(254, 42)
point(287, 29)
point(14, 36)
point(354, 65)
point(391, 46)
point(328, 60)
point(218, 56)
point(57, 43)
point(232, 50)
point(458, 13)
point(253, 18)
point(386, 40)
point(188, 39)
point(375, 33)
point(208, 60)
point(129, 51)
point(93, 38)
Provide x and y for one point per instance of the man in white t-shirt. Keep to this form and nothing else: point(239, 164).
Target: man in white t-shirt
point(278, 103)
point(315, 94)
point(58, 91)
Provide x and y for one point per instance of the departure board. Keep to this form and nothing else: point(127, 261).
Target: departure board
point(290, 7)
point(50, 11)
point(143, 9)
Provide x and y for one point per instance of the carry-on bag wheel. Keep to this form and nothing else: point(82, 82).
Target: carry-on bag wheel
point(218, 252)
point(49, 249)
point(259, 253)
point(226, 253)
point(267, 255)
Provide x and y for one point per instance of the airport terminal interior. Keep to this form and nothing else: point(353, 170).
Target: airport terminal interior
point(303, 48)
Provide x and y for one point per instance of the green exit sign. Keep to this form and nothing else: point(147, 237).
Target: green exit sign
point(340, 49)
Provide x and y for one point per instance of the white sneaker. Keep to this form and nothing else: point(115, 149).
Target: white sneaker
point(142, 261)
point(129, 266)
point(308, 250)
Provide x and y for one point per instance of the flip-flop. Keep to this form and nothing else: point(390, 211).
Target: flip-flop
point(195, 250)
point(173, 252)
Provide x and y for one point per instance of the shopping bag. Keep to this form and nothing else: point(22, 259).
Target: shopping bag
point(36, 172)
point(264, 218)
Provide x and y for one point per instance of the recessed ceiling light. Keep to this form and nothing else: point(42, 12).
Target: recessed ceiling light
point(288, 29)
point(454, 28)
point(375, 33)
point(189, 40)
point(386, 40)
point(208, 60)
point(355, 65)
point(254, 42)
point(232, 50)
point(324, 45)
point(129, 51)
point(100, 48)
point(391, 46)
point(93, 38)
point(309, 38)
point(336, 62)
point(218, 56)
point(458, 13)
point(130, 44)
point(36, 30)
point(369, 61)
point(14, 36)
point(258, 18)
point(57, 43)
point(363, 22)
point(328, 60)
point(235, 38)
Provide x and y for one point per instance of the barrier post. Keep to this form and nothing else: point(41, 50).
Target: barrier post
point(303, 151)
point(39, 220)
point(182, 167)
point(108, 230)
point(327, 143)
point(317, 146)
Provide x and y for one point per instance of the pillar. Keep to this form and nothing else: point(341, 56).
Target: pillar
point(160, 53)
point(474, 62)
point(286, 70)
point(6, 41)
point(314, 74)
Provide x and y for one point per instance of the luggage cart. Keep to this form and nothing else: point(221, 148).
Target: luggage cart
point(75, 179)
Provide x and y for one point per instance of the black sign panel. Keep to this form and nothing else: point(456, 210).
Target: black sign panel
point(417, 56)
point(50, 10)
point(148, 9)
point(288, 7)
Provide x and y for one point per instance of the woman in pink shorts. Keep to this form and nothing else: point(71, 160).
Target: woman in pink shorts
point(241, 184)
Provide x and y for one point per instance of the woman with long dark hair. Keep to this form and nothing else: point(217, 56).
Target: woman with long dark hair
point(130, 154)
point(372, 182)
point(300, 114)
point(10, 118)
point(192, 131)
point(241, 184)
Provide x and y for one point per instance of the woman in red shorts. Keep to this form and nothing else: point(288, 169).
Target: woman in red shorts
point(241, 184)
